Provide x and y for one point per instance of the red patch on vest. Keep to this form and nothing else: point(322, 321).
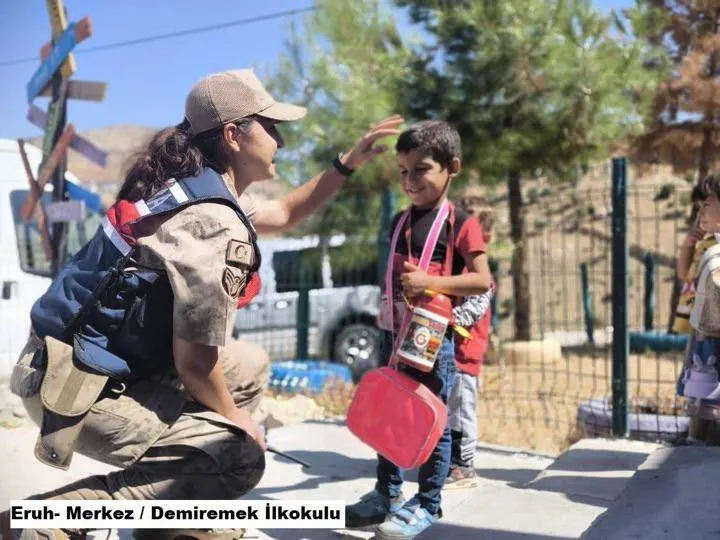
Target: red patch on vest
point(252, 288)
point(122, 215)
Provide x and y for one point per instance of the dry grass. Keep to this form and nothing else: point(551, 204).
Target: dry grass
point(535, 406)
point(335, 397)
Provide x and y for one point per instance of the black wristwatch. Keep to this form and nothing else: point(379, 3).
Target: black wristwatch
point(342, 169)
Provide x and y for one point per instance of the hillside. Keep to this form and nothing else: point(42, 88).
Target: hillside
point(121, 142)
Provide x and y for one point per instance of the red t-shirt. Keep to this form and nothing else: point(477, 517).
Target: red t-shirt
point(468, 239)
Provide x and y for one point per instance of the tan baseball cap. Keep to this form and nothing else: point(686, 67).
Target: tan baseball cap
point(224, 97)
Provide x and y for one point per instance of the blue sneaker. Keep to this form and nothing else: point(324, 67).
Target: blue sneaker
point(372, 509)
point(406, 523)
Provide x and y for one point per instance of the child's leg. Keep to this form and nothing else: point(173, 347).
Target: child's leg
point(455, 422)
point(434, 471)
point(373, 507)
point(464, 434)
point(389, 478)
point(467, 417)
point(424, 509)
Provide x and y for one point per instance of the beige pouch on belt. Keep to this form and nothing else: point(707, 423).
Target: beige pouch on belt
point(68, 391)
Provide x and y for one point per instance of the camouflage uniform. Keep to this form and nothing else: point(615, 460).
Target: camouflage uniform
point(167, 445)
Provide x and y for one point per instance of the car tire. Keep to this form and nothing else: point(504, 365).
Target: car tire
point(358, 347)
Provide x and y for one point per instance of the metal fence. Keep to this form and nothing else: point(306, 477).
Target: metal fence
point(543, 394)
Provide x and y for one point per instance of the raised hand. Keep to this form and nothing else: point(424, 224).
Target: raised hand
point(365, 151)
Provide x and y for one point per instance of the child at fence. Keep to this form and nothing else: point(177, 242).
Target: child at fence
point(699, 377)
point(691, 251)
point(474, 314)
point(429, 157)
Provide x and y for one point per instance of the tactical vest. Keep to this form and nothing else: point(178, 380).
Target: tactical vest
point(119, 319)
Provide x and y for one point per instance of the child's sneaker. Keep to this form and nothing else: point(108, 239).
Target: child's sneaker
point(406, 523)
point(462, 477)
point(372, 509)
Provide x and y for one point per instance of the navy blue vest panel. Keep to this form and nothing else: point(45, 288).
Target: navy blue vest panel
point(120, 321)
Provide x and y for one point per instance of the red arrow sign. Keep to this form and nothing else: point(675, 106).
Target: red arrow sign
point(48, 168)
point(36, 192)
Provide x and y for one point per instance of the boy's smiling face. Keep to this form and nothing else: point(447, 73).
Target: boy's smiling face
point(423, 179)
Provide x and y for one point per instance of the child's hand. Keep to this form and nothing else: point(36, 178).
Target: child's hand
point(415, 281)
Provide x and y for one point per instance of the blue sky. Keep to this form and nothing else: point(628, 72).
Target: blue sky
point(147, 83)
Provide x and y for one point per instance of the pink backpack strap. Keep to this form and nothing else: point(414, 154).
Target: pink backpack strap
point(424, 263)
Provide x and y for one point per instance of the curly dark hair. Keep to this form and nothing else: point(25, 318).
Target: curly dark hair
point(174, 153)
point(435, 137)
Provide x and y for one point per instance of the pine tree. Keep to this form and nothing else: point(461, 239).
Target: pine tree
point(344, 64)
point(530, 84)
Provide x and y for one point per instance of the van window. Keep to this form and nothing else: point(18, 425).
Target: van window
point(354, 264)
point(29, 243)
point(296, 269)
point(351, 265)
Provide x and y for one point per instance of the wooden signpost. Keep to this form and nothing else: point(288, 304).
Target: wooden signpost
point(48, 167)
point(58, 21)
point(39, 118)
point(57, 65)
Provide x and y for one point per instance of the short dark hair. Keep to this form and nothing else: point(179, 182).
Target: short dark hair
point(435, 137)
point(481, 207)
point(711, 185)
point(698, 194)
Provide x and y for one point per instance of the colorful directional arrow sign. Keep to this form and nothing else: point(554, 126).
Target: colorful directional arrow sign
point(58, 21)
point(75, 33)
point(38, 117)
point(85, 90)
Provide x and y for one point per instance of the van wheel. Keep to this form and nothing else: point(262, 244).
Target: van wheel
point(357, 346)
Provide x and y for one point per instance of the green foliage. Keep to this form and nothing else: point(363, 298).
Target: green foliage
point(344, 64)
point(529, 83)
point(664, 193)
point(685, 199)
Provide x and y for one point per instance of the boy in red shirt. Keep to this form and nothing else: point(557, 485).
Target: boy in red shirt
point(429, 157)
point(474, 314)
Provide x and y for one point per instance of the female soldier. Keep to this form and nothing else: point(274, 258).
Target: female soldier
point(156, 289)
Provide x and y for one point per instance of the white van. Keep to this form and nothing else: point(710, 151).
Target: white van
point(24, 271)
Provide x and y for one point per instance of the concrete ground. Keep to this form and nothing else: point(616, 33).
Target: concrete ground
point(673, 495)
point(521, 496)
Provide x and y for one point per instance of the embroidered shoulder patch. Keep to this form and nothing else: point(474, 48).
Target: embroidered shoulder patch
point(232, 283)
point(239, 254)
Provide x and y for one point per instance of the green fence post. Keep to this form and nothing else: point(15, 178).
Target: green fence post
point(620, 345)
point(494, 265)
point(303, 314)
point(649, 291)
point(587, 303)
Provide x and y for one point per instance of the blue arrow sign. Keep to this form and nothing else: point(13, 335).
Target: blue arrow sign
point(79, 193)
point(67, 41)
